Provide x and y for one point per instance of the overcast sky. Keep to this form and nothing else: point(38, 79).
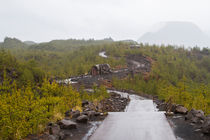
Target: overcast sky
point(44, 20)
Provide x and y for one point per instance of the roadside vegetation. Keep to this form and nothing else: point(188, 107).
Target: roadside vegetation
point(28, 100)
point(178, 74)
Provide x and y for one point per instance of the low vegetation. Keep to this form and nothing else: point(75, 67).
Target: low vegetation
point(178, 74)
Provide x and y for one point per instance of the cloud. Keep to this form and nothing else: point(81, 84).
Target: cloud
point(43, 20)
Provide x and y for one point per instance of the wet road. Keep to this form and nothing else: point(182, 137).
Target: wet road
point(141, 121)
point(102, 54)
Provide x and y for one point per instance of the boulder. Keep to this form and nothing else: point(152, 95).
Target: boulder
point(84, 113)
point(54, 129)
point(91, 115)
point(84, 103)
point(181, 110)
point(67, 124)
point(68, 113)
point(169, 113)
point(162, 107)
point(61, 135)
point(171, 107)
point(195, 116)
point(97, 113)
point(206, 126)
point(52, 137)
point(82, 119)
point(75, 114)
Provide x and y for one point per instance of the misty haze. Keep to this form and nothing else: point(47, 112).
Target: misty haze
point(177, 33)
point(105, 70)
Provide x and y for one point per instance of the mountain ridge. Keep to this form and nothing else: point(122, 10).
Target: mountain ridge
point(177, 33)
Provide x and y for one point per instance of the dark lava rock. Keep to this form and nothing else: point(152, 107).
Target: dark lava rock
point(206, 126)
point(97, 113)
point(91, 115)
point(75, 114)
point(162, 107)
point(180, 109)
point(85, 113)
point(52, 137)
point(67, 124)
point(173, 107)
point(195, 116)
point(61, 136)
point(84, 102)
point(54, 129)
point(169, 113)
point(185, 130)
point(82, 119)
point(68, 113)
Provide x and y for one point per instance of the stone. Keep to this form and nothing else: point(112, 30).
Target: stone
point(67, 124)
point(101, 114)
point(54, 129)
point(200, 114)
point(61, 135)
point(173, 108)
point(52, 137)
point(84, 113)
point(181, 110)
point(206, 126)
point(84, 103)
point(162, 107)
point(75, 114)
point(97, 114)
point(195, 116)
point(82, 119)
point(197, 130)
point(68, 113)
point(169, 113)
point(91, 115)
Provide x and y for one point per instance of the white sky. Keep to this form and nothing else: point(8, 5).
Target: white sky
point(44, 20)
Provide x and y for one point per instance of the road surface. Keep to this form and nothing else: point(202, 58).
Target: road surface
point(141, 121)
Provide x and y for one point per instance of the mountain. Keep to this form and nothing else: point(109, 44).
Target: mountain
point(129, 41)
point(29, 42)
point(12, 43)
point(177, 33)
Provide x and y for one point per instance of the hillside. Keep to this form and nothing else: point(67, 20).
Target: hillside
point(29, 42)
point(12, 43)
point(177, 33)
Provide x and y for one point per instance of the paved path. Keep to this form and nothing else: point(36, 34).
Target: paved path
point(140, 122)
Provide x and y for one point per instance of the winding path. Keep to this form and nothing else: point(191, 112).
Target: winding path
point(141, 121)
point(102, 54)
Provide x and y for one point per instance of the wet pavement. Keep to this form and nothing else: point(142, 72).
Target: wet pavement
point(141, 121)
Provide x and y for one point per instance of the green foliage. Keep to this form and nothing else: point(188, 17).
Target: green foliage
point(179, 74)
point(21, 72)
point(27, 110)
point(98, 94)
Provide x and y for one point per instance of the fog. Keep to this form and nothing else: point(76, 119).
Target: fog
point(44, 20)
